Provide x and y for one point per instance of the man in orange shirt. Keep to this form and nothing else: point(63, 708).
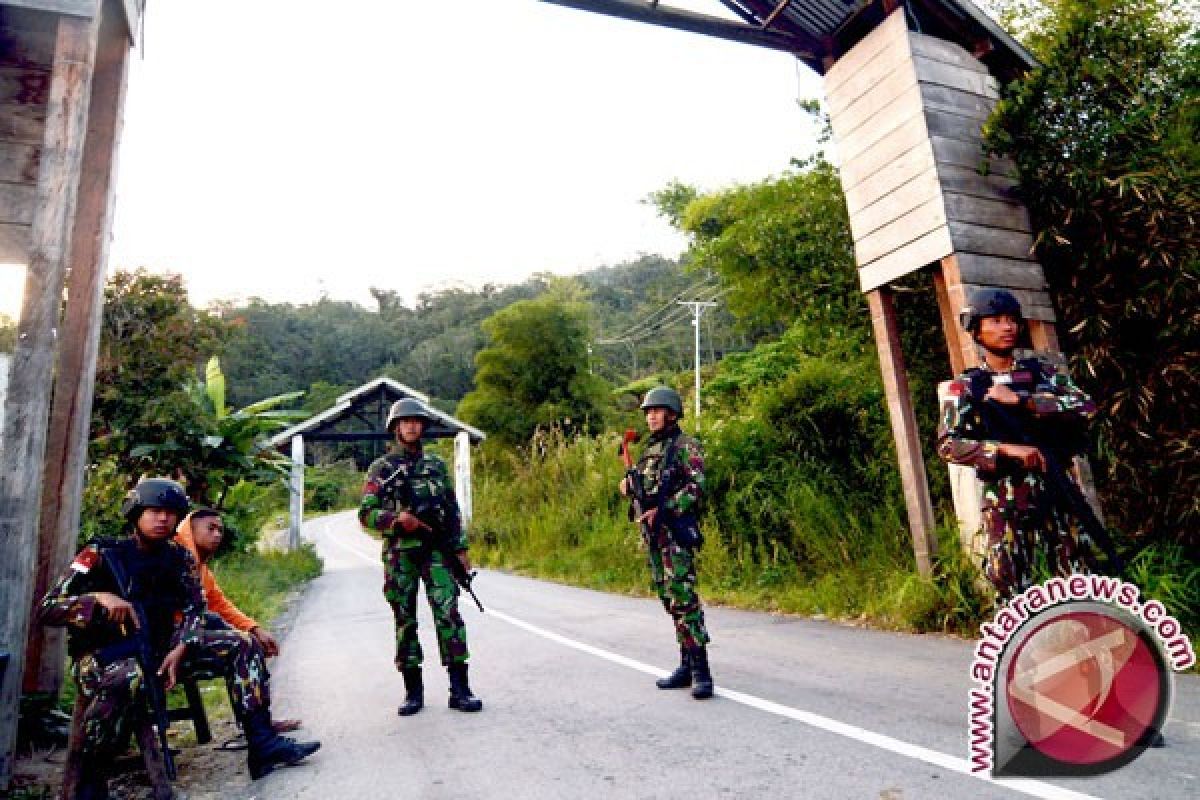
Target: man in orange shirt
point(201, 532)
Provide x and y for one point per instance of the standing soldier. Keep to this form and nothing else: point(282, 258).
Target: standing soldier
point(408, 497)
point(666, 486)
point(95, 598)
point(1016, 423)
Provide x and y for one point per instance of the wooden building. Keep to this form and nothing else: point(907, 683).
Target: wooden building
point(908, 84)
point(63, 66)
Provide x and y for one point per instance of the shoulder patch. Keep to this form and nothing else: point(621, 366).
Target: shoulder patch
point(84, 562)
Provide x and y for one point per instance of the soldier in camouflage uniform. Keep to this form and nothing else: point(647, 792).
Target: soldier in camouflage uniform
point(673, 490)
point(409, 498)
point(1017, 509)
point(162, 576)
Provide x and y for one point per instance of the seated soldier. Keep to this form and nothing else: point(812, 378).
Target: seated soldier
point(202, 532)
point(94, 598)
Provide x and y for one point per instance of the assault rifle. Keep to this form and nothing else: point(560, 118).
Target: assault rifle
point(144, 653)
point(1063, 491)
point(431, 514)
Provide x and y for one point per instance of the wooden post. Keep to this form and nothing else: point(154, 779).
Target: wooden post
point(904, 428)
point(297, 490)
point(71, 409)
point(27, 404)
point(951, 299)
point(462, 476)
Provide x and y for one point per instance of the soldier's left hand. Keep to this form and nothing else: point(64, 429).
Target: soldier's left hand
point(465, 560)
point(648, 517)
point(169, 670)
point(269, 645)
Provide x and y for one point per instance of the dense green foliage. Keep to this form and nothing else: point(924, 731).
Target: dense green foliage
point(534, 372)
point(1107, 136)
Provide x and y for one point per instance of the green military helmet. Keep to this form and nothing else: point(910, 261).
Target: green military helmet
point(155, 493)
point(663, 397)
point(988, 303)
point(408, 408)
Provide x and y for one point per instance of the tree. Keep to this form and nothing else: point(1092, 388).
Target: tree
point(534, 373)
point(151, 343)
point(1106, 134)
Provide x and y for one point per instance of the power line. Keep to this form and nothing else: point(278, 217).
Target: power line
point(675, 313)
point(659, 314)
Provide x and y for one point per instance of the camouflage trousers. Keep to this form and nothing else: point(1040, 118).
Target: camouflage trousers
point(673, 577)
point(114, 689)
point(403, 570)
point(1016, 519)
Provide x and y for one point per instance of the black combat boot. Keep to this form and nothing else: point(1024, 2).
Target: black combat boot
point(268, 750)
point(460, 691)
point(414, 692)
point(702, 682)
point(681, 678)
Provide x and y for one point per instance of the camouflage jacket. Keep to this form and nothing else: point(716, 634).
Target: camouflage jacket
point(164, 579)
point(403, 481)
point(685, 480)
point(1057, 408)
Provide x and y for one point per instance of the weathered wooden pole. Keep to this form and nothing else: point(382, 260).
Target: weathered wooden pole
point(27, 404)
point(71, 407)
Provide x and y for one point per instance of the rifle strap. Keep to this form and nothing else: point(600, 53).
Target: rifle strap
point(664, 468)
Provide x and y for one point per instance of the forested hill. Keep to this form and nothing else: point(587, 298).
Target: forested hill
point(330, 346)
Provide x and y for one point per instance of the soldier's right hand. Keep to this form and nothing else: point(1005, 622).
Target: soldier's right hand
point(116, 607)
point(623, 487)
point(1028, 456)
point(407, 522)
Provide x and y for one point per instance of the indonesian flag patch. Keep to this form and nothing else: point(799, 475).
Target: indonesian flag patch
point(85, 561)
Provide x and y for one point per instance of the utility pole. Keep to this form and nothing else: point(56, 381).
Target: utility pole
point(698, 308)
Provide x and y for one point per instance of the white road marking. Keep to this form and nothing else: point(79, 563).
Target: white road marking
point(1025, 786)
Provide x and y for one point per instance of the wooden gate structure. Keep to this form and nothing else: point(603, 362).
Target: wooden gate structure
point(63, 66)
point(908, 85)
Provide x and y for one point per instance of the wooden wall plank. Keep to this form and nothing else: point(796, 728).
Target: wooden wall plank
point(1010, 215)
point(900, 231)
point(909, 134)
point(971, 238)
point(14, 244)
point(896, 95)
point(954, 126)
point(943, 74)
point(966, 104)
point(987, 270)
point(888, 33)
point(969, 181)
point(22, 123)
point(24, 85)
point(899, 172)
point(886, 64)
point(18, 162)
point(929, 248)
point(17, 202)
point(867, 137)
point(935, 49)
point(896, 202)
point(970, 155)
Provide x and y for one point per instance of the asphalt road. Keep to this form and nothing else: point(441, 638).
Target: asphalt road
point(804, 708)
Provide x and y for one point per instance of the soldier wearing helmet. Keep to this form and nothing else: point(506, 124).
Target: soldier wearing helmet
point(95, 599)
point(398, 487)
point(671, 474)
point(985, 405)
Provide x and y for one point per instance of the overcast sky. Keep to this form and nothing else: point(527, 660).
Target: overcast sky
point(285, 148)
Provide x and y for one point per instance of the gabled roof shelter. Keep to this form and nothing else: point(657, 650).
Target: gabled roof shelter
point(361, 414)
